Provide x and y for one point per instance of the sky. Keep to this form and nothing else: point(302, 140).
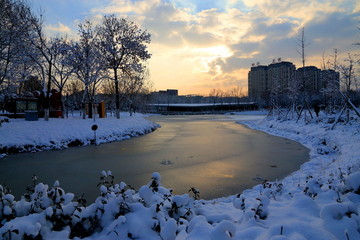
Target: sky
point(200, 45)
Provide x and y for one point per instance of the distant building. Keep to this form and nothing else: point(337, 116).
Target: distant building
point(257, 82)
point(315, 79)
point(263, 80)
point(330, 79)
point(280, 75)
point(164, 96)
point(172, 92)
point(310, 77)
point(273, 82)
point(169, 92)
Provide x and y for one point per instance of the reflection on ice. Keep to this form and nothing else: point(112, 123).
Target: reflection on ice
point(210, 152)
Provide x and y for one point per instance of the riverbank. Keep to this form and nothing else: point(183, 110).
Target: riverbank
point(319, 201)
point(18, 135)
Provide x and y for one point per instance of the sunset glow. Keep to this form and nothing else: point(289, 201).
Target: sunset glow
point(199, 45)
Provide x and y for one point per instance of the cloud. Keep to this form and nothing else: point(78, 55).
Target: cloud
point(213, 43)
point(303, 10)
point(127, 7)
point(59, 27)
point(330, 31)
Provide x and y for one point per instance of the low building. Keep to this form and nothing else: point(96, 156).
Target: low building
point(169, 92)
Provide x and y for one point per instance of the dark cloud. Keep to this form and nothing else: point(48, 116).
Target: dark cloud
point(277, 28)
point(333, 31)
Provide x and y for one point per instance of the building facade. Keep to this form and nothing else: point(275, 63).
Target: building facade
point(265, 81)
point(280, 75)
point(280, 81)
point(257, 82)
point(310, 79)
point(330, 79)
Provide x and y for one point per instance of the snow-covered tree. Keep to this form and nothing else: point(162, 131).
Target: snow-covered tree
point(45, 55)
point(14, 27)
point(330, 88)
point(294, 89)
point(123, 47)
point(87, 63)
point(63, 67)
point(275, 90)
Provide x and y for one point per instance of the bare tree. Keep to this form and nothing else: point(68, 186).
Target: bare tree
point(145, 97)
point(234, 94)
point(216, 95)
point(302, 44)
point(330, 79)
point(108, 90)
point(123, 47)
point(347, 74)
point(132, 84)
point(237, 92)
point(74, 90)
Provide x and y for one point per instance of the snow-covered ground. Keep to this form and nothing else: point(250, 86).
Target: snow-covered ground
point(19, 135)
point(320, 201)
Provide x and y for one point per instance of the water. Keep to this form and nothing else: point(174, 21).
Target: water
point(210, 152)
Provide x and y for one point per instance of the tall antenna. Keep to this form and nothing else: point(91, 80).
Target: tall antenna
point(303, 46)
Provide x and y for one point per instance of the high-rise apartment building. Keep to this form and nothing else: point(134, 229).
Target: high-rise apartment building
point(279, 79)
point(310, 79)
point(262, 80)
point(279, 76)
point(314, 79)
point(257, 82)
point(330, 79)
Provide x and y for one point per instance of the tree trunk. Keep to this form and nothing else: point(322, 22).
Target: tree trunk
point(117, 94)
point(83, 110)
point(84, 100)
point(47, 99)
point(90, 109)
point(62, 107)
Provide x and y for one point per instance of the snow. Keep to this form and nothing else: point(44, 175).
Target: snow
point(29, 136)
point(319, 201)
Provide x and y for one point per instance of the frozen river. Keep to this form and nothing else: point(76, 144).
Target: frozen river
point(210, 152)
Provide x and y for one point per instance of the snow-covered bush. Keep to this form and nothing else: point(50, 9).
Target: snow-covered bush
point(117, 210)
point(153, 212)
